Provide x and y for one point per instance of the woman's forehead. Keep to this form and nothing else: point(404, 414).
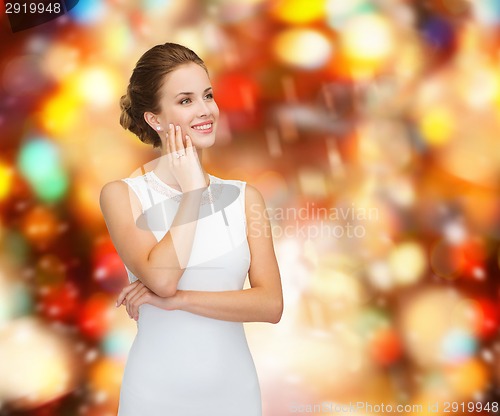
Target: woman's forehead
point(186, 78)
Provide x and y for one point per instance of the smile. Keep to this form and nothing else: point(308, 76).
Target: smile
point(202, 127)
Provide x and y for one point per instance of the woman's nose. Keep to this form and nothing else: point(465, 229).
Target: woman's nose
point(203, 109)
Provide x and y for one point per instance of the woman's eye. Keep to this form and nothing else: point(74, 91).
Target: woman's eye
point(209, 96)
point(185, 101)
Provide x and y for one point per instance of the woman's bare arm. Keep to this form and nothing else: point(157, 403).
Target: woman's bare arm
point(158, 265)
point(262, 302)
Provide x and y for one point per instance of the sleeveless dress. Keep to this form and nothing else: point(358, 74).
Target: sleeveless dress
point(183, 364)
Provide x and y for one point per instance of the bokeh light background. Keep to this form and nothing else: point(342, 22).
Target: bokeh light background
point(370, 127)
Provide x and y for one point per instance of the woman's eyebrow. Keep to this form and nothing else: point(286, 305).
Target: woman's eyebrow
point(191, 93)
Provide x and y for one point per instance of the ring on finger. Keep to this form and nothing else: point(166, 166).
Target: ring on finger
point(179, 155)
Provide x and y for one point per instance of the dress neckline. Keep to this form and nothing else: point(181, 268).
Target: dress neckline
point(155, 177)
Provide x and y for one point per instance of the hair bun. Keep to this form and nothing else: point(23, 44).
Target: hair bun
point(125, 117)
point(125, 102)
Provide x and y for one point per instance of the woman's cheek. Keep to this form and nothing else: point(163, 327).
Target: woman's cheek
point(215, 109)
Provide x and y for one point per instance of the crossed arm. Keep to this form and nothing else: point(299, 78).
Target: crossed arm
point(262, 302)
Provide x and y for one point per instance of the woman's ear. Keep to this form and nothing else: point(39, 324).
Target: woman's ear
point(153, 121)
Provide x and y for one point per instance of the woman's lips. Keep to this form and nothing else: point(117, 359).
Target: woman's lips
point(204, 128)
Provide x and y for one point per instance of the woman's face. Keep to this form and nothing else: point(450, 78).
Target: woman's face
point(186, 99)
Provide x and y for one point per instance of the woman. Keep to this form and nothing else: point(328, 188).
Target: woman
point(188, 240)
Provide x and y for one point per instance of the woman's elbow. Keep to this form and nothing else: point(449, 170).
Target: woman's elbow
point(276, 312)
point(162, 285)
point(163, 289)
point(166, 291)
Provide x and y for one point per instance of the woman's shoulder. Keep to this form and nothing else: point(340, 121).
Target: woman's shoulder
point(120, 188)
point(118, 185)
point(112, 188)
point(253, 195)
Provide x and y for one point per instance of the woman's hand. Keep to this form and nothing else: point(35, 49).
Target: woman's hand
point(183, 161)
point(136, 294)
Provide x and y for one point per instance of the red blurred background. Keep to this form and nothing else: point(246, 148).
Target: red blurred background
point(371, 128)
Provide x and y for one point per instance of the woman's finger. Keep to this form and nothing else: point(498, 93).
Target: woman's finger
point(135, 301)
point(189, 145)
point(125, 291)
point(131, 293)
point(129, 300)
point(168, 147)
point(170, 142)
point(196, 155)
point(171, 139)
point(179, 145)
point(144, 298)
point(192, 149)
point(132, 298)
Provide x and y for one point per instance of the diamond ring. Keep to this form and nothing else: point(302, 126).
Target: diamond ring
point(178, 156)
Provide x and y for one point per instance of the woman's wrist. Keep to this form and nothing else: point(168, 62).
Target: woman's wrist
point(180, 299)
point(174, 302)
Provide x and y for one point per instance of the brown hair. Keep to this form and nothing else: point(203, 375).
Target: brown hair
point(144, 86)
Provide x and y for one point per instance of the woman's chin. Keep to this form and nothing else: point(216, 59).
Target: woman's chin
point(202, 141)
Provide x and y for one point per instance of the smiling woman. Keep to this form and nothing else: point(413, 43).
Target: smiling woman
point(187, 269)
point(193, 108)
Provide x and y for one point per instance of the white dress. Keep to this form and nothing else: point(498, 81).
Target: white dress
point(183, 364)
